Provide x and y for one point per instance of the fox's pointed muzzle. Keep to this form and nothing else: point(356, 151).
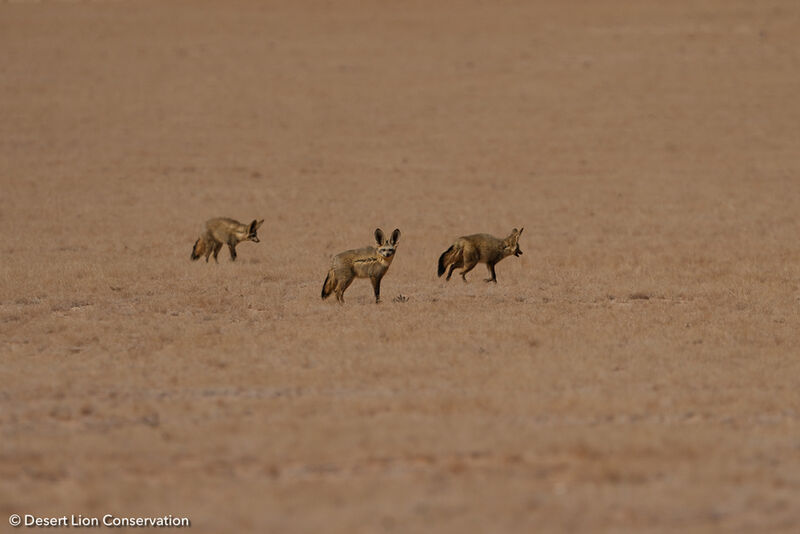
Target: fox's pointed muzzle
point(386, 250)
point(255, 239)
point(518, 252)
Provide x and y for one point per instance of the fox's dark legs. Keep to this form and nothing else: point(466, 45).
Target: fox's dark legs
point(490, 266)
point(233, 251)
point(467, 268)
point(217, 247)
point(450, 272)
point(455, 265)
point(376, 285)
point(469, 259)
point(341, 287)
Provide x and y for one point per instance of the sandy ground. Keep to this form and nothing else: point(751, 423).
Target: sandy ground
point(636, 369)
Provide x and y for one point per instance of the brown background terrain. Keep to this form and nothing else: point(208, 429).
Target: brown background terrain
point(636, 369)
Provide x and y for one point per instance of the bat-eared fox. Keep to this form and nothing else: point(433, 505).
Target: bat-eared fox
point(224, 231)
point(470, 250)
point(367, 262)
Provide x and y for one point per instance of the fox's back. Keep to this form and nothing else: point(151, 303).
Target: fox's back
point(362, 262)
point(223, 227)
point(355, 259)
point(356, 254)
point(223, 222)
point(486, 245)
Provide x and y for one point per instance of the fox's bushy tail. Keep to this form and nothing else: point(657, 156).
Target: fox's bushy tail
point(327, 286)
point(448, 257)
point(197, 249)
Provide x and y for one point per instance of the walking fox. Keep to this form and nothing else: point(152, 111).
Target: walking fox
point(367, 262)
point(470, 250)
point(224, 231)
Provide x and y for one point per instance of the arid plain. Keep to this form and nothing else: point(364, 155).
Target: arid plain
point(636, 368)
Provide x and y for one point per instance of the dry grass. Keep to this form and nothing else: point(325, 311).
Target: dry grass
point(635, 369)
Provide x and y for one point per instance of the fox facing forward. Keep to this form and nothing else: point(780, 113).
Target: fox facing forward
point(470, 250)
point(224, 231)
point(367, 262)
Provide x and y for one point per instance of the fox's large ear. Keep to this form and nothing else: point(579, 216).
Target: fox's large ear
point(520, 231)
point(258, 224)
point(379, 236)
point(253, 226)
point(395, 236)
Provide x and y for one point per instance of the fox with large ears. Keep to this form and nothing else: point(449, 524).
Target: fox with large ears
point(367, 262)
point(224, 231)
point(470, 250)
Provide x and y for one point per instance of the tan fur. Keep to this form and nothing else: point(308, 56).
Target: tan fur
point(224, 231)
point(367, 262)
point(470, 250)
